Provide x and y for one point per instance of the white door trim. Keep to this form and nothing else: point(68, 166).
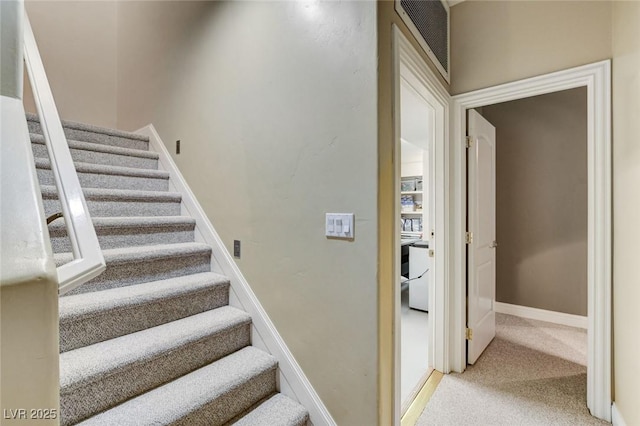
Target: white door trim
point(597, 79)
point(405, 55)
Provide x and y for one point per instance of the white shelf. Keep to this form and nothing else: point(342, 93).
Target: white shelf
point(411, 192)
point(413, 212)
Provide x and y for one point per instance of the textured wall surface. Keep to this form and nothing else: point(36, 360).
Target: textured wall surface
point(626, 207)
point(493, 42)
point(275, 107)
point(78, 41)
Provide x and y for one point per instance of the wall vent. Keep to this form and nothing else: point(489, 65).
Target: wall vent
point(428, 20)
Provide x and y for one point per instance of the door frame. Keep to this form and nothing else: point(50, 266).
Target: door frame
point(405, 55)
point(596, 78)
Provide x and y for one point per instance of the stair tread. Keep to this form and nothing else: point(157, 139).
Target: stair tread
point(93, 146)
point(86, 305)
point(93, 194)
point(186, 331)
point(279, 410)
point(134, 222)
point(176, 399)
point(140, 253)
point(94, 129)
point(91, 363)
point(106, 169)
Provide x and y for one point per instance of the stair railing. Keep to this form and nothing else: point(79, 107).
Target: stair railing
point(88, 259)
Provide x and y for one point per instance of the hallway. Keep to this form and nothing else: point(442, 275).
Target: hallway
point(533, 373)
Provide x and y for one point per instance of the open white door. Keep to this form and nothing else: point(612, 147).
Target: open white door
point(481, 257)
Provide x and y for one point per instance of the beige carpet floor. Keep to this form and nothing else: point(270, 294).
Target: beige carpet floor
point(533, 373)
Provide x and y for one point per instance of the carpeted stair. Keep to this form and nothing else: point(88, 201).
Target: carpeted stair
point(152, 340)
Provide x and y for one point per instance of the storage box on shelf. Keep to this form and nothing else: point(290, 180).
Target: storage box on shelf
point(411, 200)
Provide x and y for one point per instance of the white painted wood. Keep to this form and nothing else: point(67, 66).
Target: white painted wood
point(28, 277)
point(409, 65)
point(292, 380)
point(560, 318)
point(25, 245)
point(616, 416)
point(88, 260)
point(481, 163)
point(596, 78)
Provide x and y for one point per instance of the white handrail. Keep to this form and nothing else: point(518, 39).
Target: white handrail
point(88, 260)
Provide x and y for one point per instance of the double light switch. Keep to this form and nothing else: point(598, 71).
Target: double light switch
point(339, 225)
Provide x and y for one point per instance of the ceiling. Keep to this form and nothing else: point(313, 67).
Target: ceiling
point(416, 118)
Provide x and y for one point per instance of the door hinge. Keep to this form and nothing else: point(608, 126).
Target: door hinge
point(468, 141)
point(433, 234)
point(468, 237)
point(469, 334)
point(431, 253)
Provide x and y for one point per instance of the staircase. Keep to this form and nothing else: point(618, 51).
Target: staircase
point(153, 339)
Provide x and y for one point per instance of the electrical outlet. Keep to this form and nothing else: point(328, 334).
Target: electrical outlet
point(236, 248)
point(178, 147)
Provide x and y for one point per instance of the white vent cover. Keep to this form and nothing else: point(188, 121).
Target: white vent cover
point(428, 20)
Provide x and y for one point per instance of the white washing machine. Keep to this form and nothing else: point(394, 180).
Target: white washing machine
point(419, 262)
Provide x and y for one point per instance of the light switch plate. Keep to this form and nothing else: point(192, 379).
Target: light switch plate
point(339, 225)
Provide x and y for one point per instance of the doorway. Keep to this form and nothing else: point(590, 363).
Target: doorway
point(595, 78)
point(417, 130)
point(421, 106)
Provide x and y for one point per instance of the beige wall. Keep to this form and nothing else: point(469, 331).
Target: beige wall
point(493, 42)
point(275, 105)
point(77, 41)
point(626, 207)
point(541, 201)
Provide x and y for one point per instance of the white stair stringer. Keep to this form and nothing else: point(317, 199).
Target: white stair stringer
point(292, 380)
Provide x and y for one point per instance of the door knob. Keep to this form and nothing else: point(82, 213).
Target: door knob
point(494, 244)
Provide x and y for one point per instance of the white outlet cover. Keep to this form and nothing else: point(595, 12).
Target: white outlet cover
point(345, 231)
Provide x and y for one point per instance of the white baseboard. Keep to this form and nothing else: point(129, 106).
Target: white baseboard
point(616, 417)
point(542, 315)
point(292, 381)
